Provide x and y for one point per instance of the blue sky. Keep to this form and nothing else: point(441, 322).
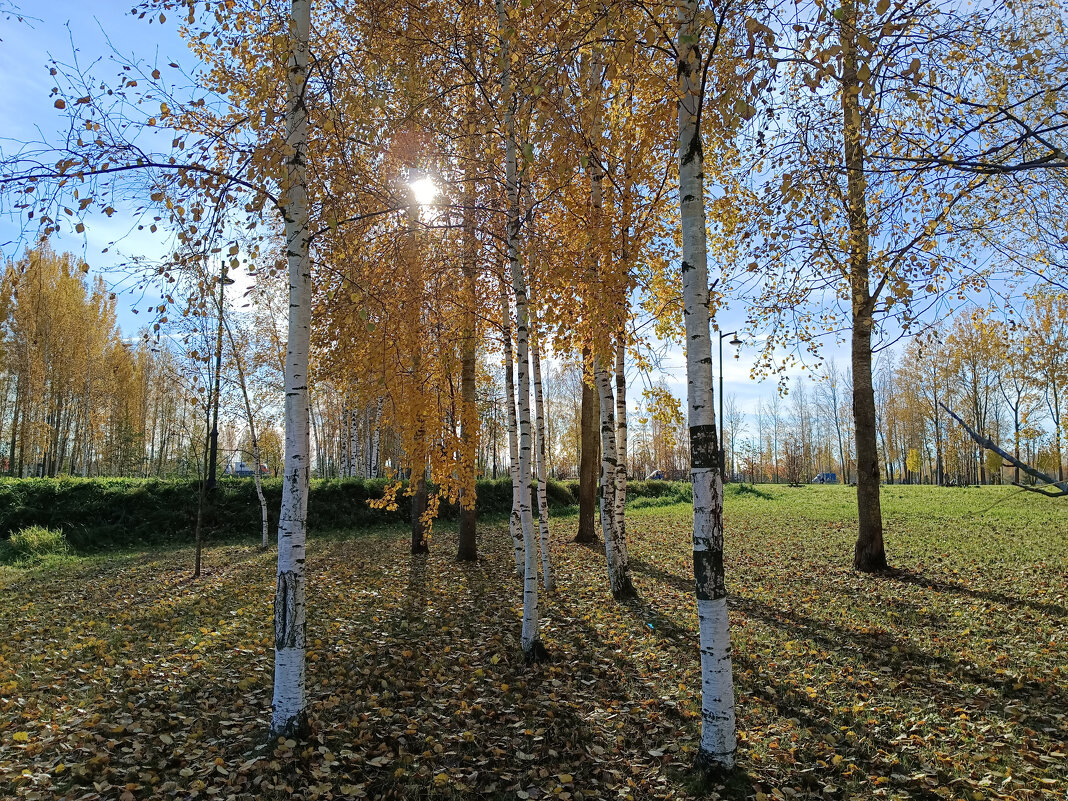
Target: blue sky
point(88, 34)
point(91, 33)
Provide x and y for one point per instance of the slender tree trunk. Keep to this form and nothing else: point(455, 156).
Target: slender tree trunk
point(1056, 408)
point(533, 650)
point(376, 440)
point(352, 468)
point(420, 525)
point(213, 453)
point(543, 501)
point(589, 458)
point(198, 534)
point(514, 519)
point(718, 738)
point(290, 715)
point(315, 422)
point(467, 546)
point(869, 555)
point(15, 425)
point(621, 459)
point(251, 418)
point(619, 580)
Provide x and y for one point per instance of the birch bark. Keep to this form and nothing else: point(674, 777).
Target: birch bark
point(533, 650)
point(619, 580)
point(514, 519)
point(718, 738)
point(621, 459)
point(354, 443)
point(543, 501)
point(376, 439)
point(290, 717)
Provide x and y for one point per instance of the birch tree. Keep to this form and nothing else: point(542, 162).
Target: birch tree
point(533, 650)
point(718, 738)
point(290, 714)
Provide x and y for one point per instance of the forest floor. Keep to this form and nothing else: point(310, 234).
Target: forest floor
point(122, 678)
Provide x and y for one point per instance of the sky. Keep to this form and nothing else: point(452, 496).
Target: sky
point(91, 34)
point(87, 34)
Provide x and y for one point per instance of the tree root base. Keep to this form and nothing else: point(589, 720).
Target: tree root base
point(714, 768)
point(297, 728)
point(536, 654)
point(627, 592)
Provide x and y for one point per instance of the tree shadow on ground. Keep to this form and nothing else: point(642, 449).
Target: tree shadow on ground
point(942, 585)
point(1026, 700)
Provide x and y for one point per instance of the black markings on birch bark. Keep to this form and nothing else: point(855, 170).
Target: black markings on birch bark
point(704, 446)
point(287, 632)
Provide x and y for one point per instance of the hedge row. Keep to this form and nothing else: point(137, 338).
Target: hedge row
point(96, 513)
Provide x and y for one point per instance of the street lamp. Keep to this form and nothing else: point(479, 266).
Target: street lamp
point(722, 426)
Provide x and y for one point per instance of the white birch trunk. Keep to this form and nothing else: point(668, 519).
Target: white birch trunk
point(259, 493)
point(619, 580)
point(514, 519)
point(543, 501)
point(290, 716)
point(531, 641)
point(621, 457)
point(354, 443)
point(376, 439)
point(718, 739)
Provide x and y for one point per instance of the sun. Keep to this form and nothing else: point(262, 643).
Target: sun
point(424, 190)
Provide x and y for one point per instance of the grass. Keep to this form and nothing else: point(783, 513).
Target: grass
point(34, 545)
point(119, 674)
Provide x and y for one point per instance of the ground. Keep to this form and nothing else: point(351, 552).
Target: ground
point(120, 677)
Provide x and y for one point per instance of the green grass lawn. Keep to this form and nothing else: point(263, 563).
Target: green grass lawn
point(120, 677)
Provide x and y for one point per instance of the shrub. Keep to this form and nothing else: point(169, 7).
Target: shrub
point(98, 513)
point(35, 543)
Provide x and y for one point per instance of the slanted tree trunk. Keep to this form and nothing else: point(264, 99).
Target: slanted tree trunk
point(533, 650)
point(718, 738)
point(543, 501)
point(514, 521)
point(869, 555)
point(290, 716)
point(589, 459)
point(252, 435)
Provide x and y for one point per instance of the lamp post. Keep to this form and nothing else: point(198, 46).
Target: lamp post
point(722, 426)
